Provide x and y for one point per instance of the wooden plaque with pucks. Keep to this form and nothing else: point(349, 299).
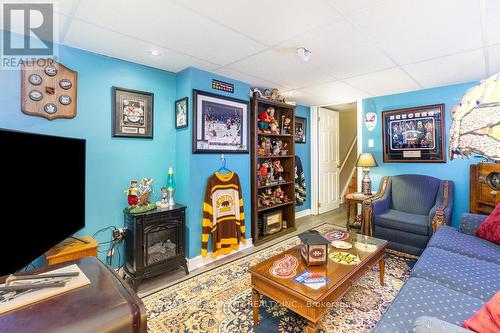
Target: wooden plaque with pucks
point(48, 89)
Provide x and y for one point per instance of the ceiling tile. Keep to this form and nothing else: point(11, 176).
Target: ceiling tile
point(411, 31)
point(82, 35)
point(269, 22)
point(462, 67)
point(494, 56)
point(491, 21)
point(340, 50)
point(385, 82)
point(283, 67)
point(171, 26)
point(335, 92)
point(350, 6)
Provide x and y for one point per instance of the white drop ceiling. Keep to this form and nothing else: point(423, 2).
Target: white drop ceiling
point(360, 48)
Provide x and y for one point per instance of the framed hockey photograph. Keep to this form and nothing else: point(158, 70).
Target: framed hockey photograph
point(414, 134)
point(220, 124)
point(132, 113)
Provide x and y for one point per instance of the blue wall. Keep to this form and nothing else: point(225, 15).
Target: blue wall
point(456, 170)
point(111, 162)
point(304, 152)
point(193, 170)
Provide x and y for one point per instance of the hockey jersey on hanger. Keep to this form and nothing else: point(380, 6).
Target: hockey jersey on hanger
point(223, 215)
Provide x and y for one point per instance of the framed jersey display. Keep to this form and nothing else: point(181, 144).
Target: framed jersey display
point(132, 113)
point(414, 134)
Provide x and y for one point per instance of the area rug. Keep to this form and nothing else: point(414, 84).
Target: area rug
point(220, 300)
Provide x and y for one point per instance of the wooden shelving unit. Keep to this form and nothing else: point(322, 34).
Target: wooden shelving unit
point(287, 161)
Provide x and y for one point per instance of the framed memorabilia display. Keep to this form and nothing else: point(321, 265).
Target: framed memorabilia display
point(300, 129)
point(220, 124)
point(181, 113)
point(414, 134)
point(132, 113)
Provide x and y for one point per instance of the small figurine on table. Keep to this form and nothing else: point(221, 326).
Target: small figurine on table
point(145, 191)
point(278, 170)
point(132, 192)
point(163, 203)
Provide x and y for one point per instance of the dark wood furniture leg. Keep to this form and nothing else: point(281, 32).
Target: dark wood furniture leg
point(256, 307)
point(312, 327)
point(348, 212)
point(381, 270)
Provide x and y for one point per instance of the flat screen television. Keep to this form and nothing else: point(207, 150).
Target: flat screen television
point(42, 195)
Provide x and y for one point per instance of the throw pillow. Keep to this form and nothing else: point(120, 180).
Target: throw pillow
point(487, 319)
point(490, 228)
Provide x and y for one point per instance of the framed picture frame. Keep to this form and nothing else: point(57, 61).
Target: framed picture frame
point(414, 134)
point(220, 124)
point(181, 113)
point(300, 129)
point(132, 113)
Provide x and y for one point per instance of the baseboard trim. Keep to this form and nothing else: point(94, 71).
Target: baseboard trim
point(302, 213)
point(199, 261)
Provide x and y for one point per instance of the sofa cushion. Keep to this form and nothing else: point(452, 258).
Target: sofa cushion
point(395, 219)
point(490, 228)
point(450, 239)
point(465, 274)
point(414, 194)
point(420, 297)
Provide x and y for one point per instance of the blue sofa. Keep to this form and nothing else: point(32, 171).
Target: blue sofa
point(453, 278)
point(407, 210)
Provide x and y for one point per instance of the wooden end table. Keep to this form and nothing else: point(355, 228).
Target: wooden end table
point(72, 249)
point(350, 200)
point(310, 303)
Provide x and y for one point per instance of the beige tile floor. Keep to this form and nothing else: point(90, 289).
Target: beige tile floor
point(336, 217)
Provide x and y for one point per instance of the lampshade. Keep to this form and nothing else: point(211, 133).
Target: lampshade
point(366, 160)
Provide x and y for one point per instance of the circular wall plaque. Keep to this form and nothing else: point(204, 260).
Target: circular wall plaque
point(65, 100)
point(493, 180)
point(35, 95)
point(50, 70)
point(50, 108)
point(65, 84)
point(35, 79)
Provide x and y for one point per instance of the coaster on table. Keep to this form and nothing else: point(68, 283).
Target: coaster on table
point(341, 244)
point(365, 247)
point(344, 258)
point(336, 235)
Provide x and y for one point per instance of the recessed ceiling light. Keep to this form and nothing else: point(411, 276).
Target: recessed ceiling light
point(155, 53)
point(304, 54)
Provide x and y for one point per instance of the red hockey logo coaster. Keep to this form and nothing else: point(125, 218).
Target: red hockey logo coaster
point(336, 235)
point(285, 267)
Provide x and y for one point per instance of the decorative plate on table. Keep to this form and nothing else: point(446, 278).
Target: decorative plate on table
point(341, 244)
point(365, 247)
point(336, 235)
point(344, 258)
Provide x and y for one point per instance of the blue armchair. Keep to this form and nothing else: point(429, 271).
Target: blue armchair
point(407, 210)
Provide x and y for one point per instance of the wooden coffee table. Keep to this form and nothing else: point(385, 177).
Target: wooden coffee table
point(305, 301)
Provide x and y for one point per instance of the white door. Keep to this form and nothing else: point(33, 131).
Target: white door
point(328, 157)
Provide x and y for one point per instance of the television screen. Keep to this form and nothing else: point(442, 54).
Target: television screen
point(42, 195)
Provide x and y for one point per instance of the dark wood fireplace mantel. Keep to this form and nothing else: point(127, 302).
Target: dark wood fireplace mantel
point(155, 243)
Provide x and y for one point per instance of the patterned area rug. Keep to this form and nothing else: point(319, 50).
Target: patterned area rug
point(220, 300)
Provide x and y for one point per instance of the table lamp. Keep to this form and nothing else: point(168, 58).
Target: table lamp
point(366, 161)
point(170, 187)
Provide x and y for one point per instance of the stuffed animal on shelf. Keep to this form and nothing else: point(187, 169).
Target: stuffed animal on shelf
point(264, 174)
point(277, 147)
point(278, 170)
point(279, 195)
point(265, 146)
point(287, 125)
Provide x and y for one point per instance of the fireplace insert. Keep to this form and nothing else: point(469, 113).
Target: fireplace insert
point(155, 243)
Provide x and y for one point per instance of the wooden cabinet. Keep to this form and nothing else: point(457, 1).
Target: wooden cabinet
point(484, 187)
point(262, 214)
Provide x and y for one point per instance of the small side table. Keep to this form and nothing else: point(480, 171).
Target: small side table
point(71, 249)
point(350, 200)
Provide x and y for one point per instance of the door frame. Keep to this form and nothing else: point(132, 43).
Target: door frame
point(314, 151)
